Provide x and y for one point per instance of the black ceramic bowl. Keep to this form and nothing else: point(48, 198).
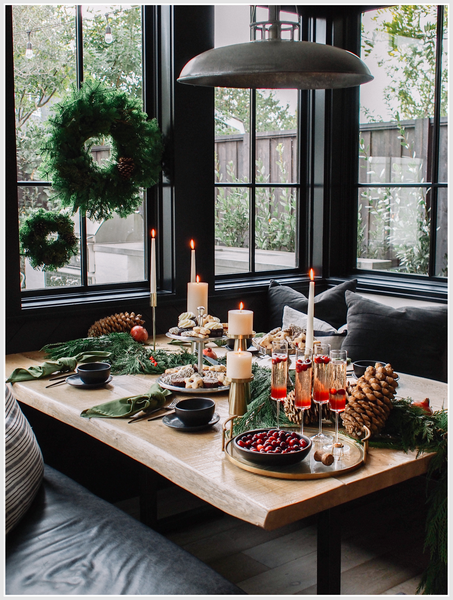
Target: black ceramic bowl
point(195, 411)
point(95, 372)
point(360, 366)
point(267, 458)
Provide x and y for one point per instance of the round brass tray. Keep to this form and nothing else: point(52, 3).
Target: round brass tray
point(309, 468)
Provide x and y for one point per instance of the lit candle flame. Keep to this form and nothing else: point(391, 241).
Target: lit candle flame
point(198, 279)
point(192, 244)
point(153, 233)
point(241, 306)
point(312, 274)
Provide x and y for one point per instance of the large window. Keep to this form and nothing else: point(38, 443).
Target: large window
point(56, 49)
point(402, 205)
point(256, 164)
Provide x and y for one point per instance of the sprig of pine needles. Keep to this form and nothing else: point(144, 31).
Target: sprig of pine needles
point(128, 357)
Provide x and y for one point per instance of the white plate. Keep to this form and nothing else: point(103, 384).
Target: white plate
point(201, 390)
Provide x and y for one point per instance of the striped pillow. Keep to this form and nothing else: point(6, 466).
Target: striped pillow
point(24, 465)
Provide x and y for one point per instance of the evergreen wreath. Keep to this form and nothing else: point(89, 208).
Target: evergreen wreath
point(50, 254)
point(135, 160)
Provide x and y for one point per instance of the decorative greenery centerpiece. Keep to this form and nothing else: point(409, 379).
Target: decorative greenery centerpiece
point(135, 161)
point(48, 240)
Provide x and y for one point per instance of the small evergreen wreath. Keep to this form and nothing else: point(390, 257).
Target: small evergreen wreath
point(49, 254)
point(135, 160)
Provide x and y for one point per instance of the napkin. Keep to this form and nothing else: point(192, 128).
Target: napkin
point(62, 365)
point(126, 407)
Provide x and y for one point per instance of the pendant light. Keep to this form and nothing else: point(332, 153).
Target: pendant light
point(272, 62)
point(29, 47)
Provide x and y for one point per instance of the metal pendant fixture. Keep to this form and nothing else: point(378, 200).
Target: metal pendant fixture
point(272, 62)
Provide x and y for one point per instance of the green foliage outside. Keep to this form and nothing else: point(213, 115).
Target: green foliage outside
point(275, 211)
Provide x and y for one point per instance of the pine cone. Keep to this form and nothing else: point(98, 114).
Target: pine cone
point(126, 167)
point(369, 401)
point(311, 415)
point(115, 323)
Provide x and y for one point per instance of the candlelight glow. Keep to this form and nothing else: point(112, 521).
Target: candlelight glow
point(153, 233)
point(312, 274)
point(198, 279)
point(241, 306)
point(192, 244)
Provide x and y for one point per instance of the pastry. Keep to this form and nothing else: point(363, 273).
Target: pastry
point(185, 324)
point(215, 328)
point(186, 315)
point(211, 382)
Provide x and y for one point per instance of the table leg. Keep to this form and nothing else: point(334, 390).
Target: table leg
point(329, 552)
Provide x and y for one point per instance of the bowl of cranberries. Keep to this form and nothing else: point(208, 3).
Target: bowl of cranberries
point(273, 447)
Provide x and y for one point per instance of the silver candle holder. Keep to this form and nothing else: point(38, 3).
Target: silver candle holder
point(240, 340)
point(239, 396)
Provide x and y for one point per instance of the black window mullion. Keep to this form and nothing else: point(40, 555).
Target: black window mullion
point(79, 81)
point(252, 196)
point(435, 144)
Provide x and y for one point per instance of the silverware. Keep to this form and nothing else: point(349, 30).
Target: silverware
point(56, 383)
point(168, 412)
point(62, 376)
point(145, 414)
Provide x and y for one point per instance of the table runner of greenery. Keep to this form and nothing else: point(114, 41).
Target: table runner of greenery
point(408, 428)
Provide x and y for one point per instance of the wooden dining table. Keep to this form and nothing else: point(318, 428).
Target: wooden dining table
point(196, 462)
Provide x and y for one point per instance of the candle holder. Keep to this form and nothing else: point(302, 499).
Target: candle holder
point(153, 306)
point(239, 396)
point(199, 345)
point(240, 340)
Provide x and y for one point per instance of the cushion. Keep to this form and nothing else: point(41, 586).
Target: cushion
point(24, 465)
point(412, 339)
point(330, 306)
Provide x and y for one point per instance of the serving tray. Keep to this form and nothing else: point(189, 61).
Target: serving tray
point(353, 458)
point(203, 390)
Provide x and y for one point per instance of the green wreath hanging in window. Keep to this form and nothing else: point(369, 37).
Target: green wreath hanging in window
point(135, 162)
point(48, 240)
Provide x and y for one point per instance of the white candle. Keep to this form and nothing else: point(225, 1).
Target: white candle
point(192, 262)
point(311, 312)
point(239, 365)
point(240, 322)
point(197, 295)
point(152, 277)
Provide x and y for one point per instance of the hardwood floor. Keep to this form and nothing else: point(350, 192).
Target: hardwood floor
point(382, 544)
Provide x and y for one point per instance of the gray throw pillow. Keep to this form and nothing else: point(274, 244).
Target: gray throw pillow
point(330, 305)
point(412, 339)
point(24, 465)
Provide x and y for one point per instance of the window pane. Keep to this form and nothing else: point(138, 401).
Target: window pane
point(275, 228)
point(119, 62)
point(442, 234)
point(32, 198)
point(393, 230)
point(116, 249)
point(232, 230)
point(276, 140)
point(41, 79)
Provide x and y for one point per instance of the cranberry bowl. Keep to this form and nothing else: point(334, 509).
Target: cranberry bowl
point(272, 447)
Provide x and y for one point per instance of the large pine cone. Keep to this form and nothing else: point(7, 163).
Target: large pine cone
point(126, 167)
point(115, 323)
point(311, 415)
point(369, 401)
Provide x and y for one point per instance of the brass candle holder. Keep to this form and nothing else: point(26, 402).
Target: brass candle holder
point(239, 396)
point(153, 303)
point(240, 340)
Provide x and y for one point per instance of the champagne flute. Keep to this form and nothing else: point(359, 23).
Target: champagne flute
point(338, 384)
point(321, 385)
point(304, 382)
point(279, 379)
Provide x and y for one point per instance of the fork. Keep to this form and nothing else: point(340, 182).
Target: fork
point(146, 413)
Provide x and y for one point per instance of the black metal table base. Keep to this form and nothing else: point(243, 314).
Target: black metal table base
point(329, 552)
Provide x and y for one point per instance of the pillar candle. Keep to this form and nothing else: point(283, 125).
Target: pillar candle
point(197, 295)
point(240, 322)
point(311, 312)
point(152, 276)
point(239, 365)
point(192, 262)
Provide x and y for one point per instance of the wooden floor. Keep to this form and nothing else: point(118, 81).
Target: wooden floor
point(382, 544)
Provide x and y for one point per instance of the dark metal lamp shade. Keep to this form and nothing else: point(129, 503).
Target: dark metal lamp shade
point(272, 61)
